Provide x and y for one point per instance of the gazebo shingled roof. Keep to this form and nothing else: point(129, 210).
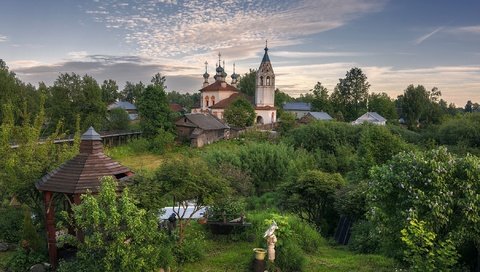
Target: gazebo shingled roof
point(84, 171)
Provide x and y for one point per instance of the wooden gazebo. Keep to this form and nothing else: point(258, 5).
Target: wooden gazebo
point(75, 177)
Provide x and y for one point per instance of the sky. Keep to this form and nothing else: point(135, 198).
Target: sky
point(435, 43)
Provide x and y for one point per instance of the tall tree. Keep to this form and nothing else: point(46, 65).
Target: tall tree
point(240, 113)
point(159, 80)
point(469, 106)
point(414, 102)
point(154, 111)
point(383, 105)
point(72, 95)
point(351, 93)
point(282, 98)
point(321, 100)
point(110, 92)
point(131, 92)
point(247, 83)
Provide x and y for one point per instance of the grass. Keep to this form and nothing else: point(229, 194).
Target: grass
point(4, 257)
point(226, 255)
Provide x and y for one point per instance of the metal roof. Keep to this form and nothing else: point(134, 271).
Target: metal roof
point(203, 121)
point(122, 105)
point(320, 115)
point(370, 117)
point(302, 106)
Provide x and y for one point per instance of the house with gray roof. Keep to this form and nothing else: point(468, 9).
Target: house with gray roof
point(314, 116)
point(300, 109)
point(370, 117)
point(127, 106)
point(201, 129)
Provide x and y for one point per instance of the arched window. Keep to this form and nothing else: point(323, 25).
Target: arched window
point(268, 81)
point(213, 100)
point(261, 81)
point(206, 101)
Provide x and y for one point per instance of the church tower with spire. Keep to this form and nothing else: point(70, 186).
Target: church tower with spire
point(265, 83)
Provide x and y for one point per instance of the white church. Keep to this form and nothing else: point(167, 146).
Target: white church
point(217, 96)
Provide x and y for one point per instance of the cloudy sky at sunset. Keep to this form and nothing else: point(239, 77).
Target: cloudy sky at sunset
point(396, 43)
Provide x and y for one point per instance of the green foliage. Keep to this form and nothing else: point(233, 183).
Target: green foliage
point(118, 235)
point(247, 83)
point(321, 101)
point(187, 100)
point(364, 237)
point(30, 239)
point(462, 129)
point(240, 113)
point(24, 165)
point(110, 92)
point(22, 260)
point(377, 146)
point(11, 224)
point(154, 111)
point(73, 95)
point(162, 141)
point(281, 98)
point(118, 119)
point(287, 122)
point(350, 94)
point(312, 198)
point(423, 252)
point(434, 187)
point(382, 104)
point(132, 92)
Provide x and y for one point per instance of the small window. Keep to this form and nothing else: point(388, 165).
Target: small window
point(268, 81)
point(213, 100)
point(261, 81)
point(206, 101)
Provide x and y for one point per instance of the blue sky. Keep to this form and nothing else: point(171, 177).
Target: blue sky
point(396, 43)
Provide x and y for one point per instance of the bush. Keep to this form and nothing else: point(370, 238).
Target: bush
point(364, 238)
point(191, 249)
point(162, 141)
point(10, 224)
point(290, 258)
point(22, 260)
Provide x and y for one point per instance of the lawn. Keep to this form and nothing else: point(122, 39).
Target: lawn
point(224, 255)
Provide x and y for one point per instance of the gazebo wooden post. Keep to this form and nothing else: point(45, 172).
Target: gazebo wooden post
point(50, 226)
point(77, 201)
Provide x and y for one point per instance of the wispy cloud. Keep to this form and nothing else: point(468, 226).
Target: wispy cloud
point(176, 28)
point(469, 29)
point(297, 55)
point(428, 35)
point(3, 38)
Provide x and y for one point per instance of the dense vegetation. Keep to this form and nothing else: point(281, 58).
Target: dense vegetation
point(411, 190)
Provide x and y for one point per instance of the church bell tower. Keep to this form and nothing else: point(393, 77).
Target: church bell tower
point(265, 82)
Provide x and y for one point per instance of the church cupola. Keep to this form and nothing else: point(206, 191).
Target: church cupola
point(234, 77)
point(265, 82)
point(206, 76)
point(220, 75)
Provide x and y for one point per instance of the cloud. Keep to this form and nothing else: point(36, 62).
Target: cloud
point(3, 38)
point(297, 55)
point(469, 29)
point(177, 28)
point(428, 35)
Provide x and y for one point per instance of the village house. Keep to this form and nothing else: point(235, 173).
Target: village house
point(201, 129)
point(126, 106)
point(299, 109)
point(370, 117)
point(315, 116)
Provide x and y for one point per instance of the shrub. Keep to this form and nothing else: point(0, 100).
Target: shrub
point(191, 249)
point(23, 259)
point(162, 141)
point(290, 258)
point(364, 238)
point(10, 224)
point(118, 119)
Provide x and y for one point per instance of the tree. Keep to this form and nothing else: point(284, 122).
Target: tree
point(154, 111)
point(240, 113)
point(247, 83)
point(118, 235)
point(469, 106)
point(426, 196)
point(72, 96)
point(312, 196)
point(110, 92)
point(118, 119)
point(189, 180)
point(414, 102)
point(282, 98)
point(159, 80)
point(351, 93)
point(321, 101)
point(382, 104)
point(132, 92)
point(187, 100)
